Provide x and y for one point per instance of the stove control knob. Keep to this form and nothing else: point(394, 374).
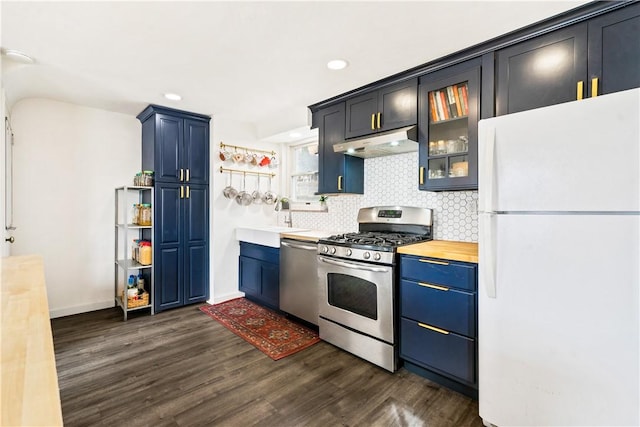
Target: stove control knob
point(366, 255)
point(377, 256)
point(349, 252)
point(333, 251)
point(325, 249)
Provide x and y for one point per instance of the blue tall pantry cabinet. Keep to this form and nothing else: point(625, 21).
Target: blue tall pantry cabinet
point(175, 145)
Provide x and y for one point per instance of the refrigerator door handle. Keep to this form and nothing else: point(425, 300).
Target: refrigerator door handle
point(487, 178)
point(488, 253)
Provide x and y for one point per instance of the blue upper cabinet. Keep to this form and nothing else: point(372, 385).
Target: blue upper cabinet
point(388, 108)
point(449, 110)
point(614, 51)
point(587, 59)
point(196, 151)
point(175, 145)
point(338, 173)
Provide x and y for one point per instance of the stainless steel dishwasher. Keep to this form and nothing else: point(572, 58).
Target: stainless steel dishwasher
point(299, 279)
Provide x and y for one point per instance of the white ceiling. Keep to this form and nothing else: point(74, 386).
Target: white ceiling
point(255, 62)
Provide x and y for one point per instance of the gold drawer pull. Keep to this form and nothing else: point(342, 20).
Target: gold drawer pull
point(421, 175)
point(429, 285)
point(579, 90)
point(428, 261)
point(433, 328)
point(373, 121)
point(594, 87)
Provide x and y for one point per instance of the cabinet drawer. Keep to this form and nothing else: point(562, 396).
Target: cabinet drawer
point(449, 354)
point(439, 272)
point(445, 308)
point(263, 253)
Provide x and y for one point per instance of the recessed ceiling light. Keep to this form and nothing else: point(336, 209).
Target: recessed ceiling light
point(295, 135)
point(18, 56)
point(173, 96)
point(337, 64)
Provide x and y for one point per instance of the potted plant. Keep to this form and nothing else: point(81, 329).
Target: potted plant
point(323, 202)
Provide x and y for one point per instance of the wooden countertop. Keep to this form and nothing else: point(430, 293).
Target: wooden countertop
point(30, 394)
point(309, 235)
point(443, 249)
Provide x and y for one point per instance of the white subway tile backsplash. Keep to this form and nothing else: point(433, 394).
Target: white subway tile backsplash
point(393, 180)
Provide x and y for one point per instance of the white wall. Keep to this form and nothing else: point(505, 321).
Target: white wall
point(68, 160)
point(226, 214)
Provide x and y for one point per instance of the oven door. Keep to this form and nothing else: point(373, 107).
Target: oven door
point(357, 295)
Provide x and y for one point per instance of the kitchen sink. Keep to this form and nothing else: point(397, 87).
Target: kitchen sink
point(266, 236)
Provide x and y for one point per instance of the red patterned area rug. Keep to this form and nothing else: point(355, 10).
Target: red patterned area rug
point(268, 331)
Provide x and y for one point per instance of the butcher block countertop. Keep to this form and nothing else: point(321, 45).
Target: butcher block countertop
point(309, 235)
point(443, 249)
point(30, 394)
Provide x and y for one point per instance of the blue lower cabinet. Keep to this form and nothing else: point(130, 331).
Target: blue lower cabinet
point(259, 273)
point(446, 308)
point(439, 321)
point(181, 245)
point(446, 352)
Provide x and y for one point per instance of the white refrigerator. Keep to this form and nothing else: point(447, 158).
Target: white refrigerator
point(559, 264)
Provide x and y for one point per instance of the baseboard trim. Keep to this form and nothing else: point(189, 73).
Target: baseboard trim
point(77, 309)
point(217, 299)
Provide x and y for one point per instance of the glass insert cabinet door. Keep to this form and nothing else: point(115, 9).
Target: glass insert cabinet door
point(448, 123)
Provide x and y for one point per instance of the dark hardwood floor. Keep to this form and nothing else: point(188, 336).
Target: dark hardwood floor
point(182, 368)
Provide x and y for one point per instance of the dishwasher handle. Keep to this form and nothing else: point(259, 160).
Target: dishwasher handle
point(299, 246)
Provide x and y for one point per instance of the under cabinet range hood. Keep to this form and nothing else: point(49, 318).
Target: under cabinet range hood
point(403, 140)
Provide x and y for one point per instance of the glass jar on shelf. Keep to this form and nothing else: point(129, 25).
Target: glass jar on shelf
point(145, 214)
point(135, 214)
point(144, 257)
point(147, 178)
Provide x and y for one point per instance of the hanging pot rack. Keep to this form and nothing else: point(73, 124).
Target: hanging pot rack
point(246, 149)
point(222, 170)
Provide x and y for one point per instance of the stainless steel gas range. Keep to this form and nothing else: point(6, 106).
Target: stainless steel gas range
point(358, 281)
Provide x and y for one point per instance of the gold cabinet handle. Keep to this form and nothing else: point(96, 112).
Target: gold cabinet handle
point(187, 191)
point(373, 121)
point(379, 116)
point(421, 175)
point(181, 174)
point(594, 87)
point(339, 182)
point(579, 90)
point(181, 192)
point(187, 175)
point(428, 261)
point(433, 328)
point(429, 285)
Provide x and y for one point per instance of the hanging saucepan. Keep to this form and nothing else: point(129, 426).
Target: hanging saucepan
point(229, 191)
point(244, 198)
point(269, 197)
point(257, 195)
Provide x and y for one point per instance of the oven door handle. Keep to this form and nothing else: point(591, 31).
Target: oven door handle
point(356, 266)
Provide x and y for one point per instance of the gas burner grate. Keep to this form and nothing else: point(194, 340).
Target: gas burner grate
point(381, 239)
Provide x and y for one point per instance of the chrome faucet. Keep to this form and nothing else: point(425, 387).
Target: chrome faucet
point(288, 221)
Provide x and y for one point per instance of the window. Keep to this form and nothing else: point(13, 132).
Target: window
point(304, 172)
